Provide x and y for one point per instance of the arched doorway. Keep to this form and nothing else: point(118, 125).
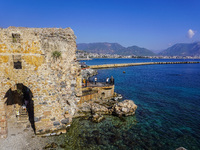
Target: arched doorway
point(20, 105)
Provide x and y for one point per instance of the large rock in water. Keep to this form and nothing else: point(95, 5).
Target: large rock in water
point(124, 108)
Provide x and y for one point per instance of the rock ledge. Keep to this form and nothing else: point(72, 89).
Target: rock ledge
point(125, 108)
point(96, 109)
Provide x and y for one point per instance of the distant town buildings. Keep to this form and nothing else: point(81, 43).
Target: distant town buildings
point(86, 55)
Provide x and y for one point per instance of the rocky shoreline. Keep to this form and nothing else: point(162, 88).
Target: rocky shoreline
point(95, 110)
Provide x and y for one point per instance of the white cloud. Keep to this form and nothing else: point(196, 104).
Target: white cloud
point(190, 33)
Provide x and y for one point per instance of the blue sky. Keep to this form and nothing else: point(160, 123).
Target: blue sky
point(153, 24)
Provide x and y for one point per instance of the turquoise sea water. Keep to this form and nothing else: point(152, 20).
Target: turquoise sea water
point(168, 114)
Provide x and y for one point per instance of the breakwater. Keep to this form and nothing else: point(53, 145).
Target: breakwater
point(138, 64)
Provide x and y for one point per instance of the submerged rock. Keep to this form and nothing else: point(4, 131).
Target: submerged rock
point(50, 146)
point(97, 118)
point(124, 108)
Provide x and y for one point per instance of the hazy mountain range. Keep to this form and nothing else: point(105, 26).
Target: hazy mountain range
point(114, 48)
point(181, 49)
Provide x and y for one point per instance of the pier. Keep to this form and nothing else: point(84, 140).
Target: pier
point(139, 64)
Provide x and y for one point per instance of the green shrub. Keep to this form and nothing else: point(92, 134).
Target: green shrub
point(56, 54)
point(14, 40)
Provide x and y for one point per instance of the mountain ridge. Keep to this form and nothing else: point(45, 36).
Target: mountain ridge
point(114, 48)
point(182, 49)
point(179, 49)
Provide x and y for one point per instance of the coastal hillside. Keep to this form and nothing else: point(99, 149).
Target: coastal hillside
point(138, 51)
point(101, 48)
point(182, 49)
point(114, 48)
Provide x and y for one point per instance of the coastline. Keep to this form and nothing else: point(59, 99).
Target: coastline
point(49, 140)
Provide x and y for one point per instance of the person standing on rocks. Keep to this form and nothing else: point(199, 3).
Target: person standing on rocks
point(84, 82)
point(95, 80)
point(107, 80)
point(112, 80)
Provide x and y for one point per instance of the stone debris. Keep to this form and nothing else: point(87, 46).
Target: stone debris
point(97, 118)
point(51, 146)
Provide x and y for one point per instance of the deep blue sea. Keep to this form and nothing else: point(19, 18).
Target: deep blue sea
point(168, 113)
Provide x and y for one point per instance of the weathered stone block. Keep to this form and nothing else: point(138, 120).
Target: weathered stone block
point(47, 113)
point(56, 123)
point(36, 119)
point(53, 119)
point(65, 121)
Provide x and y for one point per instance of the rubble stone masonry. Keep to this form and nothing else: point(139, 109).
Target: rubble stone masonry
point(55, 82)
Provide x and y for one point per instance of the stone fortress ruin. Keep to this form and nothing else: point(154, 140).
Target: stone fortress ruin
point(39, 70)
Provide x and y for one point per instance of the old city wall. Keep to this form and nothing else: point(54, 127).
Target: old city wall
point(55, 82)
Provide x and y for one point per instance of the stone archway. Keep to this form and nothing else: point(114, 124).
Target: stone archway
point(16, 103)
point(19, 104)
